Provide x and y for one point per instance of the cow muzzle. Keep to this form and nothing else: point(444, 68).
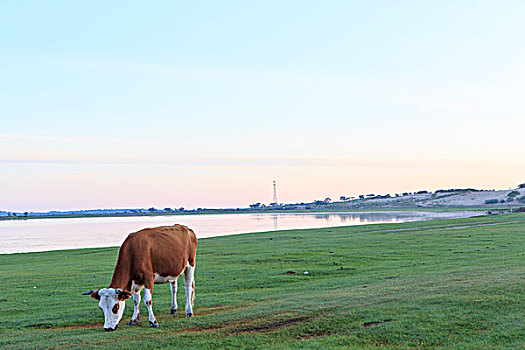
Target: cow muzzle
point(111, 329)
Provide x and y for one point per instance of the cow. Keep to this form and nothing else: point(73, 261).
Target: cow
point(147, 257)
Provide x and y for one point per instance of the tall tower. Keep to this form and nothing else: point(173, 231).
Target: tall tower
point(274, 192)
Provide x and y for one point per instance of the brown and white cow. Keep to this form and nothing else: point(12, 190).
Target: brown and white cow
point(152, 255)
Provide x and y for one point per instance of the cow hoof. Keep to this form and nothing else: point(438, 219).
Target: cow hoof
point(173, 311)
point(189, 315)
point(154, 324)
point(133, 323)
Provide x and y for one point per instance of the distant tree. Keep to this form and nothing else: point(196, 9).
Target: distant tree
point(26, 213)
point(361, 196)
point(342, 198)
point(327, 200)
point(168, 209)
point(152, 209)
point(255, 205)
point(181, 209)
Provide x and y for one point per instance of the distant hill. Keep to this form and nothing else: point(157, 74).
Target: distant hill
point(442, 199)
point(448, 198)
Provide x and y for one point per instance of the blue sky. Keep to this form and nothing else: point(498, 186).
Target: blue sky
point(130, 104)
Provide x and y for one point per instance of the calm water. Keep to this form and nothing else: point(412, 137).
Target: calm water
point(50, 234)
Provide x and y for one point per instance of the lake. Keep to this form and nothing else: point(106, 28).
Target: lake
point(36, 235)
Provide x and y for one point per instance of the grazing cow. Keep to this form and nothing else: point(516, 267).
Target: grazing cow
point(152, 255)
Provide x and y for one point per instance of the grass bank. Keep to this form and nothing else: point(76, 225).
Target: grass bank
point(444, 284)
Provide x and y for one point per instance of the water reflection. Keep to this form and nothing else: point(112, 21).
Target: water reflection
point(51, 234)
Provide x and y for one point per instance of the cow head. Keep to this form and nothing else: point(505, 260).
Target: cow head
point(112, 302)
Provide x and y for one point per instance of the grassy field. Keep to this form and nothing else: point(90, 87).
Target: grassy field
point(444, 284)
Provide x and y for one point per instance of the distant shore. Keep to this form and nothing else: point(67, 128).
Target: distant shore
point(453, 199)
point(242, 211)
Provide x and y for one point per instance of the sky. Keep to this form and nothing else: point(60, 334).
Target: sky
point(128, 104)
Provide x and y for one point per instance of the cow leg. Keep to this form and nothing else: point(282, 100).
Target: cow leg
point(136, 312)
point(189, 285)
point(173, 288)
point(148, 302)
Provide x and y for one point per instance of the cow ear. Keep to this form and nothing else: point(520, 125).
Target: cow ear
point(123, 295)
point(93, 293)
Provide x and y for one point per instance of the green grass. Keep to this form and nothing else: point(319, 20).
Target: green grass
point(444, 284)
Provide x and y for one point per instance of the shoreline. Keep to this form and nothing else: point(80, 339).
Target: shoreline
point(249, 211)
point(54, 246)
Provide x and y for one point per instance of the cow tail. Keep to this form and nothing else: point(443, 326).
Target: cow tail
point(193, 250)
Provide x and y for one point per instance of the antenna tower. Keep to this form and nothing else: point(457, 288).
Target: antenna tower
point(274, 192)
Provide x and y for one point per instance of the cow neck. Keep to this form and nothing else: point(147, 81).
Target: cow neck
point(121, 276)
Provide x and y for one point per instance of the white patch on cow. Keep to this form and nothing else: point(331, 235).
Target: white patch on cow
point(148, 302)
point(173, 288)
point(164, 279)
point(108, 301)
point(136, 304)
point(188, 286)
point(136, 288)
